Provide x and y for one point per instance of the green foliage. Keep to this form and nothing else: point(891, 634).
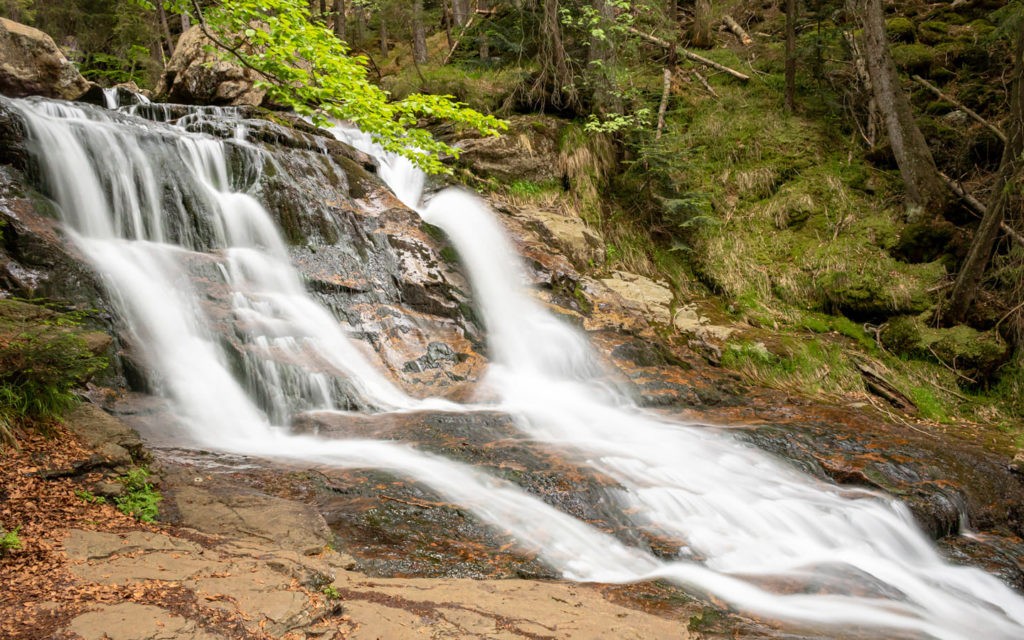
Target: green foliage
point(88, 496)
point(303, 65)
point(140, 499)
point(43, 357)
point(9, 541)
point(928, 404)
point(331, 592)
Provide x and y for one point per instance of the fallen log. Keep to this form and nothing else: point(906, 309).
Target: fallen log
point(688, 54)
point(739, 31)
point(977, 207)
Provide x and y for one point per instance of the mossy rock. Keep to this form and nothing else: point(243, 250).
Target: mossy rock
point(870, 295)
point(925, 241)
point(932, 32)
point(902, 335)
point(914, 58)
point(976, 355)
point(900, 29)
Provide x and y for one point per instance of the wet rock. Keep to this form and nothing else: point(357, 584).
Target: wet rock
point(196, 74)
point(125, 94)
point(31, 64)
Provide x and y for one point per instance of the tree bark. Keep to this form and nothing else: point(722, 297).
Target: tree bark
point(1005, 197)
point(460, 12)
point(600, 58)
point(340, 24)
point(917, 167)
point(791, 56)
point(419, 33)
point(700, 31)
point(485, 46)
point(165, 29)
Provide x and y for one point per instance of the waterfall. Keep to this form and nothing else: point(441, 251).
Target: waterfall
point(759, 535)
point(740, 511)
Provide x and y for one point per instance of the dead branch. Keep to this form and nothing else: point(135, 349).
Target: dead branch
point(704, 81)
point(977, 207)
point(740, 32)
point(688, 54)
point(663, 107)
point(451, 52)
point(959, 105)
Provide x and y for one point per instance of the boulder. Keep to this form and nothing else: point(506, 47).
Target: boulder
point(528, 151)
point(567, 232)
point(31, 64)
point(197, 75)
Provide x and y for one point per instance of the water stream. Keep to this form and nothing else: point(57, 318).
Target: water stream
point(759, 535)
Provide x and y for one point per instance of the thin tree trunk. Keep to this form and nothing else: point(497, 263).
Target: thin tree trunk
point(791, 56)
point(672, 12)
point(323, 10)
point(383, 36)
point(1004, 197)
point(917, 167)
point(165, 29)
point(186, 22)
point(419, 34)
point(340, 24)
point(700, 31)
point(460, 12)
point(485, 45)
point(600, 58)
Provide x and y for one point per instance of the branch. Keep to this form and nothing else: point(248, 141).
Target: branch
point(688, 54)
point(704, 81)
point(451, 52)
point(959, 105)
point(976, 206)
point(738, 30)
point(663, 107)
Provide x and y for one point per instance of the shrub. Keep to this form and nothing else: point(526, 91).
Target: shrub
point(9, 541)
point(140, 499)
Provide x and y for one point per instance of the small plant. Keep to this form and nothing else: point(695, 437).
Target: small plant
point(330, 592)
point(90, 497)
point(140, 499)
point(9, 541)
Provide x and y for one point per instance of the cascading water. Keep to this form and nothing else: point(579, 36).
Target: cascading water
point(741, 512)
point(855, 558)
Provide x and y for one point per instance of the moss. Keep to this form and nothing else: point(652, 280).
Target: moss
point(914, 58)
point(928, 404)
point(974, 355)
point(932, 32)
point(900, 29)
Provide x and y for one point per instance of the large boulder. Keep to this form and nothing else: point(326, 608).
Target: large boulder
point(196, 74)
point(31, 64)
point(528, 151)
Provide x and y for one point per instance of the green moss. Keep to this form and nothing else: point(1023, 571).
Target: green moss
point(914, 58)
point(932, 32)
point(928, 404)
point(900, 29)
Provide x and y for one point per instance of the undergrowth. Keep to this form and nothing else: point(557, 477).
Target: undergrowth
point(140, 499)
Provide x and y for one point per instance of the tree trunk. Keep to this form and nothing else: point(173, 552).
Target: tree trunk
point(700, 31)
point(419, 34)
point(186, 22)
point(340, 25)
point(485, 46)
point(672, 13)
point(791, 56)
point(460, 12)
point(165, 29)
point(600, 58)
point(383, 36)
point(917, 167)
point(1005, 197)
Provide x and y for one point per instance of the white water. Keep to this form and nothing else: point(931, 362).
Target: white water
point(744, 515)
point(740, 511)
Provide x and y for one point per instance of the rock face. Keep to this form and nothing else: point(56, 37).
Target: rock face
point(197, 76)
point(527, 151)
point(31, 64)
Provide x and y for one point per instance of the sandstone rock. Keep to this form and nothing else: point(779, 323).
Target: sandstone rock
point(249, 514)
point(582, 245)
point(102, 431)
point(197, 76)
point(131, 621)
point(641, 294)
point(31, 64)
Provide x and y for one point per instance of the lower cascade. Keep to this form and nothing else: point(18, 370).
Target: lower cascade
point(759, 535)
